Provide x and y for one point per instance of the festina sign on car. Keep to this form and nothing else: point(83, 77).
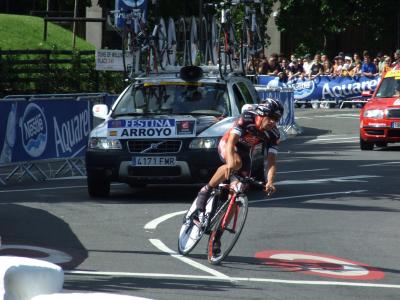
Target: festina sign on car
point(150, 128)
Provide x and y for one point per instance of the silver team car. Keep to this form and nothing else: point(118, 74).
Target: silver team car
point(165, 128)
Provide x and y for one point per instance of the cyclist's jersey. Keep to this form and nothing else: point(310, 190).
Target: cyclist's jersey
point(250, 136)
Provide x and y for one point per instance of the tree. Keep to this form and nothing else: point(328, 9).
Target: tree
point(315, 25)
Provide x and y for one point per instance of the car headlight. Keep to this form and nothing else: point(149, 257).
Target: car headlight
point(374, 113)
point(104, 144)
point(204, 143)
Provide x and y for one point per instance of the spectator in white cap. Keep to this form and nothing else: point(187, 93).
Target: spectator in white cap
point(347, 66)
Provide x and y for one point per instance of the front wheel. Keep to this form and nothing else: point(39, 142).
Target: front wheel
point(98, 185)
point(190, 234)
point(227, 230)
point(364, 145)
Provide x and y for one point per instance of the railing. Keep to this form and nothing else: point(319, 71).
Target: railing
point(53, 71)
point(37, 131)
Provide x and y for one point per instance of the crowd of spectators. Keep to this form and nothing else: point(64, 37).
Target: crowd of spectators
point(321, 64)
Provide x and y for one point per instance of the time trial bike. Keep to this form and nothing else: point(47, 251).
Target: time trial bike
point(225, 216)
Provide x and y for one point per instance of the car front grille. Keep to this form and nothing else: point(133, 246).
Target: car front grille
point(154, 171)
point(393, 113)
point(151, 146)
point(375, 131)
point(394, 133)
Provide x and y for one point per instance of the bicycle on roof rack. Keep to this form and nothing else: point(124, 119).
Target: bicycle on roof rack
point(224, 48)
point(226, 213)
point(251, 41)
point(141, 51)
point(133, 35)
point(228, 46)
point(208, 35)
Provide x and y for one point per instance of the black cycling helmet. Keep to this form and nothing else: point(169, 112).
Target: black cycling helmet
point(270, 108)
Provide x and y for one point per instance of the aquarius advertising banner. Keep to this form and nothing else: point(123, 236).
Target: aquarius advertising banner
point(45, 129)
point(323, 87)
point(127, 6)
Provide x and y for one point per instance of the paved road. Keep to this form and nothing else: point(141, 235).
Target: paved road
point(330, 232)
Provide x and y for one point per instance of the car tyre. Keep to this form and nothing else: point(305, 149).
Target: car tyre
point(137, 185)
point(381, 144)
point(98, 186)
point(364, 145)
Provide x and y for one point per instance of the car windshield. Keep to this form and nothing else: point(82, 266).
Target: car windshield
point(175, 98)
point(390, 87)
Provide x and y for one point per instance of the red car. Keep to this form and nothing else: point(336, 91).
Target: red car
point(380, 117)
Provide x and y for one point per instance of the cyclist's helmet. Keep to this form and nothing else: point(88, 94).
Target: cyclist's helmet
point(270, 108)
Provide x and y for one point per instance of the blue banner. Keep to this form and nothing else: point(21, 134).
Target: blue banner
point(43, 129)
point(323, 87)
point(127, 6)
point(109, 100)
point(285, 96)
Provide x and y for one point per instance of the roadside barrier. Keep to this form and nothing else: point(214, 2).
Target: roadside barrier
point(35, 129)
point(326, 89)
point(286, 97)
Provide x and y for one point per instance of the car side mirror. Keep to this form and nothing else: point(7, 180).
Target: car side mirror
point(367, 93)
point(100, 111)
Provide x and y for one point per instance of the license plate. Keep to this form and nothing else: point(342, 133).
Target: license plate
point(154, 161)
point(395, 124)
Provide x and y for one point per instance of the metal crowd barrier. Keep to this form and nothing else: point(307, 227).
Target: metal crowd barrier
point(286, 97)
point(44, 136)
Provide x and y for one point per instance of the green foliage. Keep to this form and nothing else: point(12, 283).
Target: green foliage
point(26, 32)
point(315, 24)
point(31, 73)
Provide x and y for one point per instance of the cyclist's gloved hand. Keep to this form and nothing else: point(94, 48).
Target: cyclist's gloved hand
point(269, 188)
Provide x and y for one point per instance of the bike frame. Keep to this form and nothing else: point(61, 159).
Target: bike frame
point(232, 211)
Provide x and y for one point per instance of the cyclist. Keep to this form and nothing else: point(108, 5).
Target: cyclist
point(254, 126)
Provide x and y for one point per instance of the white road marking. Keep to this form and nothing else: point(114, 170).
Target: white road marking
point(162, 247)
point(333, 140)
point(301, 171)
point(381, 164)
point(348, 268)
point(66, 178)
point(356, 178)
point(309, 195)
point(44, 189)
point(230, 279)
point(329, 138)
point(52, 188)
point(154, 223)
point(338, 116)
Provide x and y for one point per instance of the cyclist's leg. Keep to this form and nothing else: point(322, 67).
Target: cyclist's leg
point(216, 179)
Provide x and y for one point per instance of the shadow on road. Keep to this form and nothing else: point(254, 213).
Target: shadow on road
point(31, 227)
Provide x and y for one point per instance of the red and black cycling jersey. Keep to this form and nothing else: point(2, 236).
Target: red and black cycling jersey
point(250, 136)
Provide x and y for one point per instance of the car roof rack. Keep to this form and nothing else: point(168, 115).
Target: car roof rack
point(208, 72)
